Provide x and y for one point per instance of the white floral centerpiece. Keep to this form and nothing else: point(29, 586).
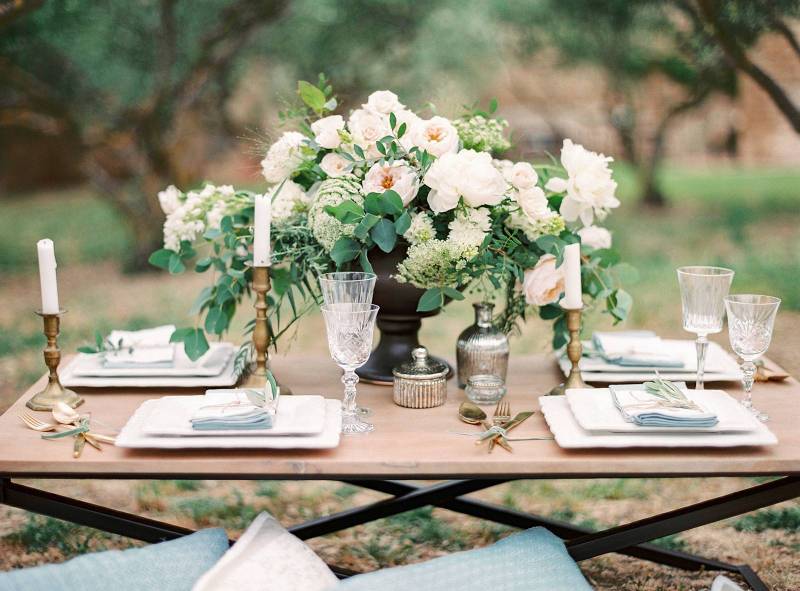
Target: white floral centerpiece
point(345, 190)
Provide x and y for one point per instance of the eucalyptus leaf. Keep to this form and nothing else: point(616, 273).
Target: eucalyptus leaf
point(345, 249)
point(432, 299)
point(384, 235)
point(161, 258)
point(311, 95)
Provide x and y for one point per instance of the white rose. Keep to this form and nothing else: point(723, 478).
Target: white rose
point(396, 176)
point(326, 131)
point(367, 127)
point(283, 157)
point(334, 165)
point(291, 199)
point(589, 187)
point(521, 175)
point(534, 203)
point(169, 199)
point(384, 102)
point(595, 237)
point(466, 174)
point(436, 135)
point(543, 284)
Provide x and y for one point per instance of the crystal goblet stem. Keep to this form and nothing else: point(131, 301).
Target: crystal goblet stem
point(748, 377)
point(702, 348)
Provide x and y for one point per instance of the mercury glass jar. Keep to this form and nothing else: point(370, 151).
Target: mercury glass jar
point(421, 382)
point(481, 348)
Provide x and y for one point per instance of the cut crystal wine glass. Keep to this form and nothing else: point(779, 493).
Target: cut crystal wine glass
point(348, 287)
point(703, 290)
point(750, 321)
point(350, 327)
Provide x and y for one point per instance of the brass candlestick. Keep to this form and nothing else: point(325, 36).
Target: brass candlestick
point(257, 377)
point(53, 392)
point(574, 353)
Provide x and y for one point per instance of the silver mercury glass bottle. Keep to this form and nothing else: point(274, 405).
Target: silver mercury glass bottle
point(481, 348)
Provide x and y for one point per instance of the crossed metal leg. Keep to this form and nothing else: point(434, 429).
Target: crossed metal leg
point(628, 539)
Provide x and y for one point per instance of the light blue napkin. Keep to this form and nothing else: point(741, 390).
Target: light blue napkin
point(634, 348)
point(256, 419)
point(629, 399)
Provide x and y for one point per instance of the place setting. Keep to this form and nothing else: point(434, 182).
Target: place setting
point(663, 411)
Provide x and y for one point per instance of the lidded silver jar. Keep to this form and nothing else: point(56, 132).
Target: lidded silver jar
point(421, 382)
point(481, 348)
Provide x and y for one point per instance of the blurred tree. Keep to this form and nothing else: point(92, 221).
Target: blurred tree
point(121, 78)
point(736, 26)
point(631, 42)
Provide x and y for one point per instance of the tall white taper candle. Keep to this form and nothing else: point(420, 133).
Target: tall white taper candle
point(47, 276)
point(572, 277)
point(261, 246)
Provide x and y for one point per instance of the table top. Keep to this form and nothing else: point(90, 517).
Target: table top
point(406, 443)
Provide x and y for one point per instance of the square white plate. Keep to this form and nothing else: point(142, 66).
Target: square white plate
point(594, 410)
point(131, 435)
point(297, 415)
point(569, 434)
point(228, 377)
point(212, 363)
point(720, 366)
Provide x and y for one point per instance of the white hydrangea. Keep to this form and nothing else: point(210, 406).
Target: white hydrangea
point(550, 223)
point(288, 202)
point(283, 157)
point(421, 228)
point(200, 211)
point(468, 230)
point(326, 228)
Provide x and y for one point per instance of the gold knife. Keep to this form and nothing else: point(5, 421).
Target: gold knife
point(77, 448)
point(513, 423)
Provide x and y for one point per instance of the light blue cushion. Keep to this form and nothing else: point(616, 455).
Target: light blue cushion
point(169, 566)
point(533, 560)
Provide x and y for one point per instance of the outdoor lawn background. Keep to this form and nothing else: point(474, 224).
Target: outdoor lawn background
point(590, 71)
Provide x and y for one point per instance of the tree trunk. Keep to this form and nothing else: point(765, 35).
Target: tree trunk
point(652, 196)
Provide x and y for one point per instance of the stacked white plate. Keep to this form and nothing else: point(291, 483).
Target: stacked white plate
point(301, 422)
point(720, 366)
point(217, 368)
point(588, 418)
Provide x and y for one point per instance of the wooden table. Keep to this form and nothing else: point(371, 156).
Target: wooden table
point(415, 444)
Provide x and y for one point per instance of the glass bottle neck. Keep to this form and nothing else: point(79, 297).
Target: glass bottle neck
point(483, 315)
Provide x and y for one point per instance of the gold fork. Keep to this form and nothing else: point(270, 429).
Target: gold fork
point(502, 414)
point(38, 425)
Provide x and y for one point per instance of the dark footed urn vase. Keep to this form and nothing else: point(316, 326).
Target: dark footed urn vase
point(398, 320)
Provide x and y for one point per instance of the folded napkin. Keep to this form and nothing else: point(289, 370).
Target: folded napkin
point(135, 348)
point(635, 348)
point(233, 410)
point(639, 406)
point(148, 337)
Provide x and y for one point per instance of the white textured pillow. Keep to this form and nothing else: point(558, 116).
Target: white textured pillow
point(267, 558)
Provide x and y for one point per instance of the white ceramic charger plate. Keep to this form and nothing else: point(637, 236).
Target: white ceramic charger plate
point(297, 415)
point(720, 366)
point(594, 410)
point(570, 435)
point(132, 436)
point(211, 364)
point(227, 377)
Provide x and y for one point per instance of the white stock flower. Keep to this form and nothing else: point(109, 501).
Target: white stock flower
point(289, 201)
point(421, 228)
point(397, 176)
point(466, 174)
point(282, 157)
point(367, 127)
point(521, 175)
point(595, 237)
point(326, 131)
point(436, 135)
point(589, 187)
point(170, 199)
point(543, 284)
point(383, 102)
point(334, 165)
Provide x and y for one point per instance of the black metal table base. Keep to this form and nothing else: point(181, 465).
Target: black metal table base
point(629, 539)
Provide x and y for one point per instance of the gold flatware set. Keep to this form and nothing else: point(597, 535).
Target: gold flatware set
point(501, 423)
point(77, 428)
